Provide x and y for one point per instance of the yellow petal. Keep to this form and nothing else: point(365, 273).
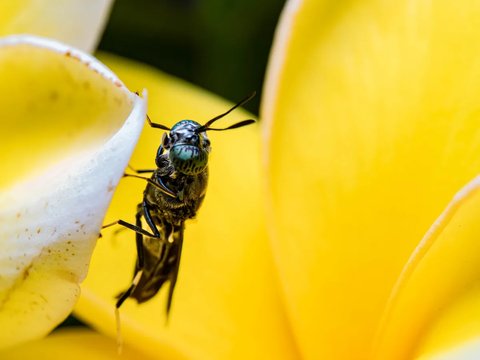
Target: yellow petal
point(68, 129)
point(71, 344)
point(435, 304)
point(466, 351)
point(76, 22)
point(371, 113)
point(226, 304)
point(455, 334)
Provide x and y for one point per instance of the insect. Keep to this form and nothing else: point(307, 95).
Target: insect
point(173, 194)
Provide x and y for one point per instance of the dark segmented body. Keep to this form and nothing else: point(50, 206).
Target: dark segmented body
point(190, 190)
point(184, 173)
point(173, 195)
point(169, 215)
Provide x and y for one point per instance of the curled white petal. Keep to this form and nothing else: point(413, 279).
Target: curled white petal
point(50, 221)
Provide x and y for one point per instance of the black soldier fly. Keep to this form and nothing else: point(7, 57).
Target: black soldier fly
point(173, 194)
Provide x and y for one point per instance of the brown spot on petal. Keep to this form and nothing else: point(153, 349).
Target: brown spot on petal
point(26, 272)
point(70, 55)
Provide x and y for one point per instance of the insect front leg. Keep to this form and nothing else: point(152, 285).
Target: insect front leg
point(140, 171)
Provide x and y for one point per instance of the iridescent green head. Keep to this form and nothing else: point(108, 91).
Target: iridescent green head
point(188, 144)
point(188, 149)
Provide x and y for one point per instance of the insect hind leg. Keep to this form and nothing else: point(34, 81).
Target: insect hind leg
point(140, 259)
point(136, 228)
point(143, 210)
point(138, 275)
point(124, 296)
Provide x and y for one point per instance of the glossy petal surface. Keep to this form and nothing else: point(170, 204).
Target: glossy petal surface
point(435, 303)
point(371, 121)
point(465, 351)
point(74, 345)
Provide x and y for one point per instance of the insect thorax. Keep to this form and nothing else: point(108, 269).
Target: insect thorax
point(189, 190)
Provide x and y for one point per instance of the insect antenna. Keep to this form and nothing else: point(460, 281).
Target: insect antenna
point(206, 126)
point(157, 126)
point(234, 126)
point(151, 123)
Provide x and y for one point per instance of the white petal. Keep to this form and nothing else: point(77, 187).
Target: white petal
point(51, 219)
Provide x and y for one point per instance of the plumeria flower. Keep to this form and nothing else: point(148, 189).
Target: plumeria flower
point(68, 128)
point(344, 227)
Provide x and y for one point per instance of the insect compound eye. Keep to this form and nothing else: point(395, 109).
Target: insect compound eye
point(188, 159)
point(205, 144)
point(172, 137)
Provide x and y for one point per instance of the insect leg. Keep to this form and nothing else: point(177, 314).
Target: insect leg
point(144, 171)
point(159, 185)
point(140, 171)
point(148, 218)
point(135, 228)
point(139, 237)
point(126, 294)
point(121, 299)
point(143, 209)
point(140, 258)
